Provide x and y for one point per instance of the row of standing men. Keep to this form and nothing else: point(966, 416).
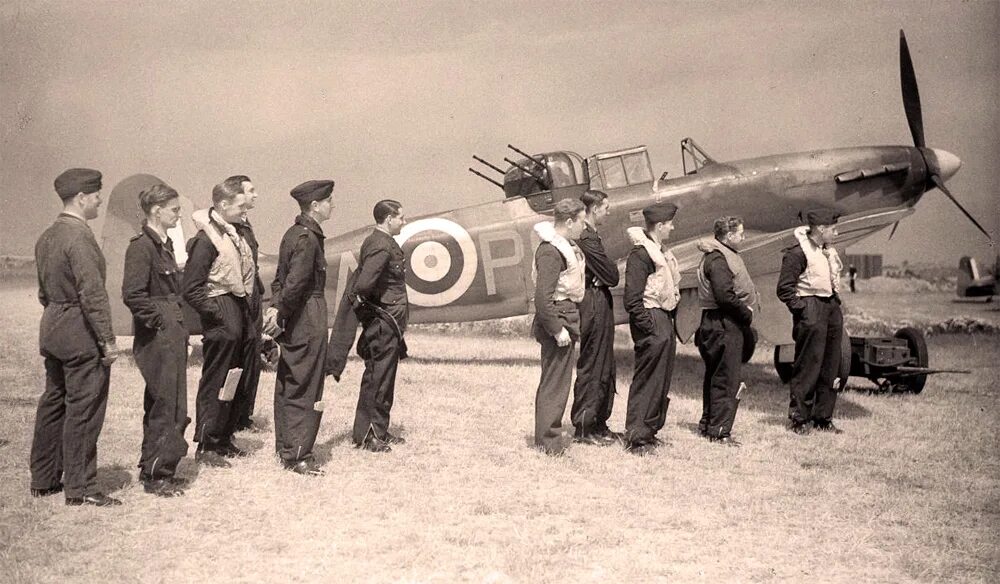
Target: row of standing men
point(573, 303)
point(221, 282)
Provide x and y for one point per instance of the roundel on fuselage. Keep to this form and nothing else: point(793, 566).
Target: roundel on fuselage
point(441, 261)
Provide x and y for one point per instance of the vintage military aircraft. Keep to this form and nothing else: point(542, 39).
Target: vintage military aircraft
point(475, 263)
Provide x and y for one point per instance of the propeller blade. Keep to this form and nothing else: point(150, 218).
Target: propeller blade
point(911, 95)
point(893, 232)
point(940, 185)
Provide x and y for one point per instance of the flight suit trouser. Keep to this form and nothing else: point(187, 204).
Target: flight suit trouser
point(299, 382)
point(654, 366)
point(246, 394)
point(68, 423)
point(817, 330)
point(553, 392)
point(224, 345)
point(379, 347)
point(720, 343)
point(594, 391)
point(162, 360)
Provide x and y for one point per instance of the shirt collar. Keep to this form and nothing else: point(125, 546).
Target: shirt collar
point(310, 224)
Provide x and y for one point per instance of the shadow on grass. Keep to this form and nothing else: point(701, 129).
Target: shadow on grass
point(324, 452)
point(19, 402)
point(113, 478)
point(474, 361)
point(767, 392)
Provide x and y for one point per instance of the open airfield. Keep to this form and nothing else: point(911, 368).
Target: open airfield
point(910, 491)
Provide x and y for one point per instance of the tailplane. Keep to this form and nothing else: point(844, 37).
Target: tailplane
point(972, 284)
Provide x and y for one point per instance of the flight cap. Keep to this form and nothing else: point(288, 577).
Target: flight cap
point(312, 190)
point(659, 212)
point(816, 217)
point(77, 180)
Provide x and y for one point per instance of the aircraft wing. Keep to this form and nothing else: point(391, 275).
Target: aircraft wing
point(761, 252)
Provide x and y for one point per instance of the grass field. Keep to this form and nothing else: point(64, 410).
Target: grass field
point(910, 493)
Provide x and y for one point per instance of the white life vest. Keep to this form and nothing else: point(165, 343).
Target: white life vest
point(571, 280)
point(823, 266)
point(232, 272)
point(743, 286)
point(661, 286)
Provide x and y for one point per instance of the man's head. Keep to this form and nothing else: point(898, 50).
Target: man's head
point(596, 203)
point(80, 191)
point(241, 183)
point(822, 225)
point(229, 203)
point(568, 218)
point(660, 219)
point(729, 230)
point(389, 215)
point(315, 199)
point(161, 205)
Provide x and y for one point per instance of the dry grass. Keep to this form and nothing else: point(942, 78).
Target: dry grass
point(911, 492)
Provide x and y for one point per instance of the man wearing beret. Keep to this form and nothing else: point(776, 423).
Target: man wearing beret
point(651, 296)
point(78, 344)
point(809, 284)
point(246, 394)
point(727, 296)
point(218, 282)
point(382, 308)
point(297, 320)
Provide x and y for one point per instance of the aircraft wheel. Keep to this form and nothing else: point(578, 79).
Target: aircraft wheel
point(918, 352)
point(784, 370)
point(845, 361)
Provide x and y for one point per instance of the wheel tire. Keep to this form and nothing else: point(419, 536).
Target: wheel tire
point(918, 350)
point(845, 361)
point(784, 370)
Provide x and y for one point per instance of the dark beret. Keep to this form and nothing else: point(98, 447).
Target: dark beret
point(77, 180)
point(312, 190)
point(821, 217)
point(659, 212)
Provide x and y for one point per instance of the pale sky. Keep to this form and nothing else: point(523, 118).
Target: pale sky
point(392, 99)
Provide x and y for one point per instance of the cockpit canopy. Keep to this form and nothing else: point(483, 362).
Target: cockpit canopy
point(544, 172)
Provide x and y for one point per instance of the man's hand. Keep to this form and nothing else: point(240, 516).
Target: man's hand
point(109, 353)
point(563, 339)
point(271, 327)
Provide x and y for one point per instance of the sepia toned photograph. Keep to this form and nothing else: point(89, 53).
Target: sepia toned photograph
point(502, 292)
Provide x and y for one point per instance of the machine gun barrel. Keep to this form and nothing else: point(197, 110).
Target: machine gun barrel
point(478, 159)
point(481, 175)
point(526, 155)
point(525, 169)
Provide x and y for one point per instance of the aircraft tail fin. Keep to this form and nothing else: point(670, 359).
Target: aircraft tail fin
point(122, 221)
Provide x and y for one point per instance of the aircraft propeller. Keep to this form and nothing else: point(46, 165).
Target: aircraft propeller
point(939, 162)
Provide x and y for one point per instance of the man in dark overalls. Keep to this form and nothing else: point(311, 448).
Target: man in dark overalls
point(809, 284)
point(383, 310)
point(78, 344)
point(594, 392)
point(151, 290)
point(651, 296)
point(218, 279)
point(560, 269)
point(727, 296)
point(297, 319)
point(245, 399)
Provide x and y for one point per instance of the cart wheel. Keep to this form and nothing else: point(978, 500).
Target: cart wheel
point(784, 370)
point(845, 360)
point(918, 351)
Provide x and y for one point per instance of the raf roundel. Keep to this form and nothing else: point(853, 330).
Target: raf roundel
point(442, 261)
